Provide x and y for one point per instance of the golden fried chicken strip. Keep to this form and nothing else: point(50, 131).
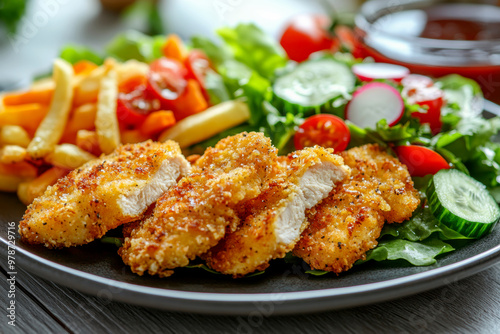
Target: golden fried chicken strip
point(345, 225)
point(272, 223)
point(103, 194)
point(193, 216)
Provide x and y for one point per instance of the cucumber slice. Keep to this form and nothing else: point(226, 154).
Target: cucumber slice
point(312, 86)
point(462, 203)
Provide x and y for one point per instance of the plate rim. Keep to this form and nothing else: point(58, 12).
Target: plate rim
point(245, 303)
point(282, 303)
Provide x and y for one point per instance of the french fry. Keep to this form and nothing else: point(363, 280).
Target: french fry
point(29, 190)
point(82, 118)
point(14, 135)
point(68, 156)
point(43, 84)
point(29, 116)
point(51, 129)
point(10, 154)
point(11, 175)
point(201, 126)
point(87, 141)
point(106, 121)
point(87, 87)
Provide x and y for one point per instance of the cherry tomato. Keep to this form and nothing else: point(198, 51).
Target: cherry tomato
point(166, 81)
point(307, 34)
point(197, 65)
point(419, 89)
point(324, 130)
point(132, 108)
point(421, 160)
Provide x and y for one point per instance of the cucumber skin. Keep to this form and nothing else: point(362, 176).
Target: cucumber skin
point(286, 107)
point(456, 223)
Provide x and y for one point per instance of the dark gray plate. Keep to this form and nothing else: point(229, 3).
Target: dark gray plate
point(284, 289)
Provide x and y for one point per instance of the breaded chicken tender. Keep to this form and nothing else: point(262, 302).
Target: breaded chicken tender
point(272, 223)
point(345, 225)
point(103, 194)
point(192, 217)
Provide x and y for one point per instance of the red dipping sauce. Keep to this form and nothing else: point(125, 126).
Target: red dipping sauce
point(434, 38)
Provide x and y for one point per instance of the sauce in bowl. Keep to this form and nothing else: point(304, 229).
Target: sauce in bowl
point(434, 38)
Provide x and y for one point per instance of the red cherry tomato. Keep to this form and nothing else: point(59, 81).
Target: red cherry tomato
point(324, 130)
point(166, 81)
point(419, 89)
point(197, 65)
point(132, 108)
point(307, 34)
point(421, 160)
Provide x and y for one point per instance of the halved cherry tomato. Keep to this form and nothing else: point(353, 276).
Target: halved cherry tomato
point(132, 108)
point(197, 65)
point(166, 81)
point(307, 34)
point(324, 130)
point(421, 160)
point(419, 89)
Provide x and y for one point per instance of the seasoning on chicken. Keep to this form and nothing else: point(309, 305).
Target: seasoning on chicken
point(271, 224)
point(192, 217)
point(103, 194)
point(345, 225)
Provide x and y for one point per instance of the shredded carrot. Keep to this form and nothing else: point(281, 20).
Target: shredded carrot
point(84, 67)
point(190, 102)
point(156, 122)
point(43, 96)
point(174, 48)
point(27, 116)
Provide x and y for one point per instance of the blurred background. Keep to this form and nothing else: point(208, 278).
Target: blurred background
point(32, 32)
point(45, 26)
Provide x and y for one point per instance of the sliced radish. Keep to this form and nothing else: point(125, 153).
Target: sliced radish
point(372, 71)
point(417, 81)
point(373, 102)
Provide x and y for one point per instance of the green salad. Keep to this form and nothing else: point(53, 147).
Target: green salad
point(282, 95)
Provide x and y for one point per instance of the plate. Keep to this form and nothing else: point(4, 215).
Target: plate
point(96, 269)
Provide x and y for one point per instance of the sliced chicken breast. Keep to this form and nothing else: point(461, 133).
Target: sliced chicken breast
point(347, 224)
point(103, 194)
point(193, 216)
point(272, 223)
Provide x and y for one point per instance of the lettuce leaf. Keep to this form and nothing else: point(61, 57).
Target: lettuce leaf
point(135, 45)
point(421, 253)
point(11, 12)
point(419, 227)
point(484, 166)
point(254, 48)
point(73, 54)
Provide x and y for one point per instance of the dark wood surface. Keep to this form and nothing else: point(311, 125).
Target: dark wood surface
point(469, 306)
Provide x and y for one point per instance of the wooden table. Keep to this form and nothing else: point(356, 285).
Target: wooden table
point(469, 306)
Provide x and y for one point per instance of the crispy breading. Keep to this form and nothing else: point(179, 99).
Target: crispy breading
point(193, 216)
point(272, 223)
point(345, 225)
point(103, 194)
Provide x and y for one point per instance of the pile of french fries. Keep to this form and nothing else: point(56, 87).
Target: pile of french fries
point(61, 123)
